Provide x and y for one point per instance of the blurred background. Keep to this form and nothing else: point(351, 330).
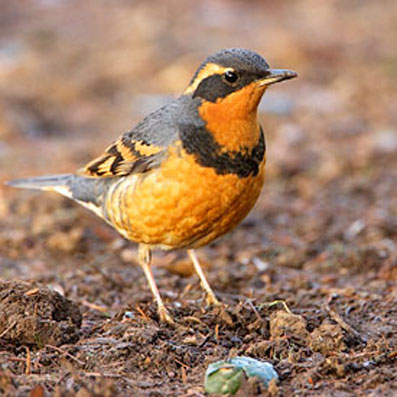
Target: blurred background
point(74, 75)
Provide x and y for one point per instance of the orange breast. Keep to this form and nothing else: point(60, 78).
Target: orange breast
point(181, 204)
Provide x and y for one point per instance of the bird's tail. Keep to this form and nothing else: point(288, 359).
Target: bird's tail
point(89, 192)
point(56, 183)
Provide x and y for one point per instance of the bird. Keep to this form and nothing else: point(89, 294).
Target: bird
point(186, 174)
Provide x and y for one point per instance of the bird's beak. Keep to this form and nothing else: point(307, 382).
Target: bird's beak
point(276, 75)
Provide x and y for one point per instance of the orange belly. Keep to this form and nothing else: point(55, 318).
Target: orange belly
point(181, 204)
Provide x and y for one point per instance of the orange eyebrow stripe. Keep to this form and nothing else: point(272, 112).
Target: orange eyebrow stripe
point(208, 70)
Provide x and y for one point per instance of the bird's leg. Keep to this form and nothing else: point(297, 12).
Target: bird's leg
point(145, 256)
point(211, 299)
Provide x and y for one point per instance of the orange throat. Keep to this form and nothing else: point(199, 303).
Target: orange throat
point(233, 120)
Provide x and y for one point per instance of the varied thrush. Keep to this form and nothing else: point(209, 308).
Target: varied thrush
point(188, 172)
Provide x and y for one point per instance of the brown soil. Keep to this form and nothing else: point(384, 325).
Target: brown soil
point(32, 315)
point(308, 281)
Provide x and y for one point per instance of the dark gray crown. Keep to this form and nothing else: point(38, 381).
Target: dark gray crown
point(239, 59)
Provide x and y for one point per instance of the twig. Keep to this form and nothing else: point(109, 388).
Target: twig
point(93, 306)
point(105, 375)
point(339, 320)
point(66, 354)
point(276, 302)
point(181, 363)
point(28, 361)
point(217, 332)
point(254, 309)
point(183, 375)
point(142, 313)
point(392, 355)
point(18, 359)
point(8, 329)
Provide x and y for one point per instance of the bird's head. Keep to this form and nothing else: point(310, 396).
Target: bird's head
point(235, 77)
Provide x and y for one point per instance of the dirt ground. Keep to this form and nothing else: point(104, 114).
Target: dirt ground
point(308, 279)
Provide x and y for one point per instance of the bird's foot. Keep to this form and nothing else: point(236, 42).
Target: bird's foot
point(165, 316)
point(211, 300)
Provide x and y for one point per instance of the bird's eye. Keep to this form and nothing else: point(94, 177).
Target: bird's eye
point(231, 77)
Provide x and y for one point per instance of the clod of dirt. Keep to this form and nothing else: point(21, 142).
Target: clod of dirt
point(35, 315)
point(287, 324)
point(327, 338)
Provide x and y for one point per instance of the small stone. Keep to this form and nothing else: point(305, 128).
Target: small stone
point(225, 377)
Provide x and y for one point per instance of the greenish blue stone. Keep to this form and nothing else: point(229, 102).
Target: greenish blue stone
point(224, 377)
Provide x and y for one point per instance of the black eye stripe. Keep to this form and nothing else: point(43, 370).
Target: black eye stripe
point(215, 86)
point(212, 88)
